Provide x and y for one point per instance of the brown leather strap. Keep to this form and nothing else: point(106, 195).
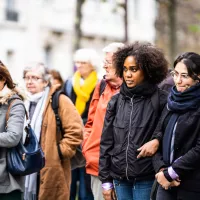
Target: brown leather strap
point(8, 111)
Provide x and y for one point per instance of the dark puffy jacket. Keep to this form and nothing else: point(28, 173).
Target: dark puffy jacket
point(129, 123)
point(186, 148)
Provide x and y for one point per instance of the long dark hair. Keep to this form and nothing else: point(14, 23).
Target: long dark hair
point(5, 74)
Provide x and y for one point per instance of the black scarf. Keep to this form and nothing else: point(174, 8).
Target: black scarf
point(143, 89)
point(184, 101)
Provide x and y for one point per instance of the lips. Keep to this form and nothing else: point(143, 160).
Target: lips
point(129, 82)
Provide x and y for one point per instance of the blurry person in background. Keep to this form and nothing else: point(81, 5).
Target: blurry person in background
point(91, 145)
point(56, 78)
point(53, 181)
point(11, 131)
point(80, 89)
point(177, 161)
point(131, 117)
point(167, 83)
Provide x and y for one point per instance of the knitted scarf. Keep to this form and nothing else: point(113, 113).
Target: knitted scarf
point(143, 89)
point(84, 90)
point(184, 101)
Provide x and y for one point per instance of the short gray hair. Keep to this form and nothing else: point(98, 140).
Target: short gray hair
point(113, 47)
point(39, 67)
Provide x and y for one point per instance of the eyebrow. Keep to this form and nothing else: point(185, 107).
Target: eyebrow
point(181, 73)
point(132, 66)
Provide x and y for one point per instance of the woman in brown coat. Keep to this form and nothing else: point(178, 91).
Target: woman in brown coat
point(53, 181)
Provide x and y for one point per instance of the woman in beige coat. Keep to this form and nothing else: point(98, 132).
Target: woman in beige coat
point(53, 181)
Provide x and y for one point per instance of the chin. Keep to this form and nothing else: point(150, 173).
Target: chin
point(181, 89)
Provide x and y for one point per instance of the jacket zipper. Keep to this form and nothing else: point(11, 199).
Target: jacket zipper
point(128, 138)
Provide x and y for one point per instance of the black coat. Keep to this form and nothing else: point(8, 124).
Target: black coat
point(186, 148)
point(129, 123)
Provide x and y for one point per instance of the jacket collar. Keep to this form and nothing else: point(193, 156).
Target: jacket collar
point(53, 88)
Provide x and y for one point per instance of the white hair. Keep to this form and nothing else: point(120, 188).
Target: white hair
point(113, 47)
point(87, 55)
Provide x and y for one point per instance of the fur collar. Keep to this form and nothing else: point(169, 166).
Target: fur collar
point(6, 94)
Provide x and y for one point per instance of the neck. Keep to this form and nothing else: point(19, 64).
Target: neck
point(115, 83)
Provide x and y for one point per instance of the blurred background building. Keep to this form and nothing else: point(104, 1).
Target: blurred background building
point(46, 30)
point(51, 30)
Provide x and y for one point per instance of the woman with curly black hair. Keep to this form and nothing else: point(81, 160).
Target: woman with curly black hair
point(131, 117)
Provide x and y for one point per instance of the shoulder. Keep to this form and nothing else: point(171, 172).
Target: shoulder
point(15, 100)
point(65, 101)
point(113, 101)
point(162, 95)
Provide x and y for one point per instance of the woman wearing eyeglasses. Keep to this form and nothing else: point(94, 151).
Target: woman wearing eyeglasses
point(53, 181)
point(177, 161)
point(11, 131)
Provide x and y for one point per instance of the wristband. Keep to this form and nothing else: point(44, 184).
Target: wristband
point(107, 186)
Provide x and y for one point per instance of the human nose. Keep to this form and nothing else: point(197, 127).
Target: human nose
point(128, 73)
point(179, 79)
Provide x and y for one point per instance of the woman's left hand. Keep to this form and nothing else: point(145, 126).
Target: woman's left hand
point(148, 149)
point(164, 182)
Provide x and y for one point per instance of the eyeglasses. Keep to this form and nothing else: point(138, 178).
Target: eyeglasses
point(31, 78)
point(107, 63)
point(175, 75)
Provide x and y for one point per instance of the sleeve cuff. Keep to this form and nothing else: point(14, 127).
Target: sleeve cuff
point(107, 186)
point(172, 173)
point(167, 176)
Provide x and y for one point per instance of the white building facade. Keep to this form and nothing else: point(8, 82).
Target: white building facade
point(43, 30)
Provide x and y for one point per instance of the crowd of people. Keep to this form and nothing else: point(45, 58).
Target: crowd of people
point(136, 127)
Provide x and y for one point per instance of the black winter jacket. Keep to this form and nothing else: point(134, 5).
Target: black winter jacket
point(129, 123)
point(186, 148)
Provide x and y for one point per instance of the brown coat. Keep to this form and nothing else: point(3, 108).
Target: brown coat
point(55, 177)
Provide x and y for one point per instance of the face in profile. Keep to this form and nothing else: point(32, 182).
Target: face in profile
point(108, 66)
point(132, 74)
point(181, 78)
point(34, 82)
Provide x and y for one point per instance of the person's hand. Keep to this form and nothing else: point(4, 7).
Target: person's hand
point(109, 194)
point(164, 182)
point(148, 149)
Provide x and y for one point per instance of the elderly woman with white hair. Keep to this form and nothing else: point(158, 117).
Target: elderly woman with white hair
point(79, 89)
point(54, 179)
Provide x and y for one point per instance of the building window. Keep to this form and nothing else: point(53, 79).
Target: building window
point(10, 56)
point(11, 12)
point(48, 55)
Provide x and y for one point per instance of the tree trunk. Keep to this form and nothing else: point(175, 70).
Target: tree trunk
point(172, 29)
point(77, 27)
point(125, 22)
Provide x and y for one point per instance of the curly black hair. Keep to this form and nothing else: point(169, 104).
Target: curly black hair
point(149, 59)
